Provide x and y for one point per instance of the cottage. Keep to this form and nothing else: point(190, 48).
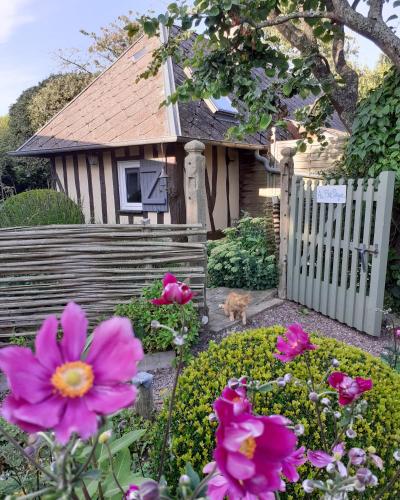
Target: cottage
point(120, 155)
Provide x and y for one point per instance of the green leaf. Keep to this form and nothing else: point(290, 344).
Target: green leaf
point(194, 477)
point(265, 121)
point(120, 444)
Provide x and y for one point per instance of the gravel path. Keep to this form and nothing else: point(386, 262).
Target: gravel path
point(284, 314)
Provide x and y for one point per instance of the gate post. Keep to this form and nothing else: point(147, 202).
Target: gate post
point(196, 200)
point(287, 168)
point(195, 184)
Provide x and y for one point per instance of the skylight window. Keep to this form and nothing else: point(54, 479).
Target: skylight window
point(221, 105)
point(139, 54)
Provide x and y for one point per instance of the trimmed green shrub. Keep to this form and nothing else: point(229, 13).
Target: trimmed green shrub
point(251, 353)
point(40, 207)
point(142, 312)
point(245, 258)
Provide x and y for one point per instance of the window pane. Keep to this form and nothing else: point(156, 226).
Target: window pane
point(133, 192)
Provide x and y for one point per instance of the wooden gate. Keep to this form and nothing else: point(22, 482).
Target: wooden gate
point(337, 252)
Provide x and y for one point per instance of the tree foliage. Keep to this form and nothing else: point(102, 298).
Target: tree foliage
point(370, 79)
point(238, 40)
point(34, 107)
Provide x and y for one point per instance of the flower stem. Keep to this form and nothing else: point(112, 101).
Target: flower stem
point(88, 460)
point(203, 483)
point(317, 408)
point(33, 462)
point(170, 411)
point(36, 494)
point(113, 470)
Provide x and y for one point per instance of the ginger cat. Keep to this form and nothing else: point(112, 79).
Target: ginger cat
point(235, 306)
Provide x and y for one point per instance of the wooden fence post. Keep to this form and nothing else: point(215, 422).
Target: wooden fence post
point(287, 168)
point(196, 197)
point(195, 184)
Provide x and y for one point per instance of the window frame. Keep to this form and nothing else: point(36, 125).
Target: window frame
point(123, 192)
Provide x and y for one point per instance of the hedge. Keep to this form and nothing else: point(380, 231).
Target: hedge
point(251, 353)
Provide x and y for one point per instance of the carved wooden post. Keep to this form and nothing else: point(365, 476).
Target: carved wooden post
point(287, 167)
point(144, 404)
point(195, 184)
point(196, 199)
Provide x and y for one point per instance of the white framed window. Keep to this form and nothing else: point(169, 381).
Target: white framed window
point(130, 192)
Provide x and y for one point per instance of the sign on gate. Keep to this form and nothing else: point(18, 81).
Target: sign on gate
point(338, 247)
point(331, 194)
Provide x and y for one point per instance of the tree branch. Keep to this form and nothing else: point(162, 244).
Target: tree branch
point(70, 62)
point(375, 9)
point(354, 5)
point(282, 19)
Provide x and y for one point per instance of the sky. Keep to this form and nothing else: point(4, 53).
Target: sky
point(31, 31)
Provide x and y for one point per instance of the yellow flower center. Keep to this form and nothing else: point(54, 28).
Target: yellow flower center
point(73, 380)
point(248, 447)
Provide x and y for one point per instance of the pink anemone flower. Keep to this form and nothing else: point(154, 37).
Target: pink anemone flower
point(175, 292)
point(321, 459)
point(251, 451)
point(60, 389)
point(297, 342)
point(349, 389)
point(232, 402)
point(218, 487)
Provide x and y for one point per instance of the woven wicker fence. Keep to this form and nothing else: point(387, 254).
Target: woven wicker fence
point(97, 266)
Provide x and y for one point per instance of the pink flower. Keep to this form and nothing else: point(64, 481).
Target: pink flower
point(290, 464)
point(233, 402)
point(218, 487)
point(174, 292)
point(252, 450)
point(297, 341)
point(320, 459)
point(58, 387)
point(349, 389)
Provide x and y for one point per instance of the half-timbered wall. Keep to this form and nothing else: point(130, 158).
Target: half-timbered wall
point(222, 186)
point(95, 187)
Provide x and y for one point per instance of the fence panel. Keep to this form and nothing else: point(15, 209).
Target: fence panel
point(337, 253)
point(98, 266)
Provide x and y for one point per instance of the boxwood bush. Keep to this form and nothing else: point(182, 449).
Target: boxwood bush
point(40, 207)
point(142, 312)
point(245, 258)
point(251, 353)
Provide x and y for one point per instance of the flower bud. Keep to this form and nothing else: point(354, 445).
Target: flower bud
point(155, 324)
point(184, 480)
point(185, 329)
point(313, 396)
point(105, 436)
point(280, 382)
point(396, 455)
point(179, 340)
point(335, 363)
point(357, 456)
point(299, 429)
point(326, 401)
point(308, 486)
point(212, 417)
point(371, 449)
point(330, 468)
point(30, 450)
point(288, 377)
point(337, 415)
point(364, 475)
point(351, 434)
point(233, 384)
point(326, 410)
point(149, 490)
point(204, 320)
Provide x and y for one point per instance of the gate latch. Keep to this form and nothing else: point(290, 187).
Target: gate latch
point(362, 250)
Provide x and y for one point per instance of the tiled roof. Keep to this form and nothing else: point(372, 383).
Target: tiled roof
point(114, 111)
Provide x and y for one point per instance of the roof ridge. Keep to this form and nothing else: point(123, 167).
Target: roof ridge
point(78, 95)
